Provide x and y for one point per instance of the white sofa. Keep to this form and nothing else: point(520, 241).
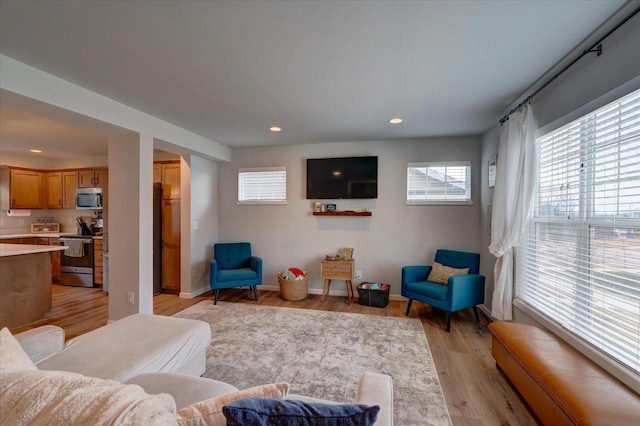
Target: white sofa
point(123, 349)
point(157, 356)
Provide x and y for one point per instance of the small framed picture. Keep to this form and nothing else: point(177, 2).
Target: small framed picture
point(493, 167)
point(331, 207)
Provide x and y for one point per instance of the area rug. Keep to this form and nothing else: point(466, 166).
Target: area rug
point(323, 354)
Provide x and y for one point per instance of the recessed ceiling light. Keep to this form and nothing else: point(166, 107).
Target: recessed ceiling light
point(37, 151)
point(275, 129)
point(395, 121)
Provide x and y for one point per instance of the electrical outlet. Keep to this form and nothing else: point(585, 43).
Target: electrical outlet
point(21, 222)
point(195, 224)
point(132, 297)
point(358, 274)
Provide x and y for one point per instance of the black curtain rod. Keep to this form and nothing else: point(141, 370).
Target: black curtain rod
point(595, 48)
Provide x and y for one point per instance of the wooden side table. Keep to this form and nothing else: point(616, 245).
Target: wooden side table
point(337, 270)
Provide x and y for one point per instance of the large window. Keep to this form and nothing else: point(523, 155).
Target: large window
point(266, 185)
point(439, 183)
point(579, 263)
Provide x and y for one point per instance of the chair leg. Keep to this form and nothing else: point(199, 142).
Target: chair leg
point(448, 321)
point(408, 307)
point(215, 296)
point(475, 311)
point(255, 293)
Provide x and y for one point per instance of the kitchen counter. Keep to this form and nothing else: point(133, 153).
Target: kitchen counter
point(43, 235)
point(20, 249)
point(47, 235)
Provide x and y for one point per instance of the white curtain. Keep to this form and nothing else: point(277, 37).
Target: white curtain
point(512, 196)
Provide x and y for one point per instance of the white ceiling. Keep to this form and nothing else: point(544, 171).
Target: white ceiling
point(21, 131)
point(324, 71)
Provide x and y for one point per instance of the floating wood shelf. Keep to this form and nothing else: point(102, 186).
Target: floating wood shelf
point(342, 213)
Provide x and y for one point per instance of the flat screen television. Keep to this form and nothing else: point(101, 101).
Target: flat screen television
point(342, 178)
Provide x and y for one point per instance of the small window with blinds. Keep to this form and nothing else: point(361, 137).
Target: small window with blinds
point(439, 183)
point(264, 185)
point(579, 262)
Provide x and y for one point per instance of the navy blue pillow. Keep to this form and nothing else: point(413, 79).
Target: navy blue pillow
point(289, 412)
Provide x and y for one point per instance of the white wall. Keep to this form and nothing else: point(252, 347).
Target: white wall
point(131, 230)
point(394, 236)
point(592, 77)
point(204, 210)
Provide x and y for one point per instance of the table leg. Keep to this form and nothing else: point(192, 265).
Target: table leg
point(349, 291)
point(325, 290)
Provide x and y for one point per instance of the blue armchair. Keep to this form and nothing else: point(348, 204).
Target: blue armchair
point(233, 266)
point(461, 291)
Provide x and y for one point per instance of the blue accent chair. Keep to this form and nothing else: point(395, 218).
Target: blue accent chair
point(233, 266)
point(462, 291)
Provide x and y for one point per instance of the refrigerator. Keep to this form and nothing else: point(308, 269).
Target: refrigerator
point(157, 238)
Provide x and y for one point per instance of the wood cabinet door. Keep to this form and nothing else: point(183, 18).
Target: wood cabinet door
point(171, 180)
point(53, 190)
point(98, 261)
point(86, 178)
point(97, 253)
point(157, 173)
point(26, 189)
point(69, 186)
point(171, 245)
point(101, 178)
point(55, 267)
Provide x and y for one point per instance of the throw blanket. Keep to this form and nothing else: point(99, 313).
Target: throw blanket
point(60, 398)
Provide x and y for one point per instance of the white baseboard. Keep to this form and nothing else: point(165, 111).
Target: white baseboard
point(195, 293)
point(486, 311)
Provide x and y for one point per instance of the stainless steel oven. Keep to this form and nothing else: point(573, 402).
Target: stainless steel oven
point(76, 263)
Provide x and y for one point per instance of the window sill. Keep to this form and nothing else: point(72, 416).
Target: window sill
point(439, 203)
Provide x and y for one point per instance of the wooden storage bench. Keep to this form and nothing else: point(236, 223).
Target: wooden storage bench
point(561, 386)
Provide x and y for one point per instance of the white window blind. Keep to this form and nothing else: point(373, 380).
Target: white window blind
point(439, 183)
point(266, 185)
point(579, 263)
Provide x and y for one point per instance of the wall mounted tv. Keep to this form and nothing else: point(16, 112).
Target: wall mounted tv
point(342, 178)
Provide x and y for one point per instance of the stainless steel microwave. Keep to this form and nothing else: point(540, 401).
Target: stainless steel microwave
point(89, 199)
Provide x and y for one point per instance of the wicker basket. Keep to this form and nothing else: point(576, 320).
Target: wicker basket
point(294, 290)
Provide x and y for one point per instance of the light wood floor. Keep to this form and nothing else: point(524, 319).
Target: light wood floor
point(476, 393)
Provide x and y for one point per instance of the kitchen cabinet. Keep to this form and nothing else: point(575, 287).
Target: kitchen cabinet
point(61, 190)
point(97, 178)
point(171, 245)
point(98, 262)
point(171, 180)
point(21, 189)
